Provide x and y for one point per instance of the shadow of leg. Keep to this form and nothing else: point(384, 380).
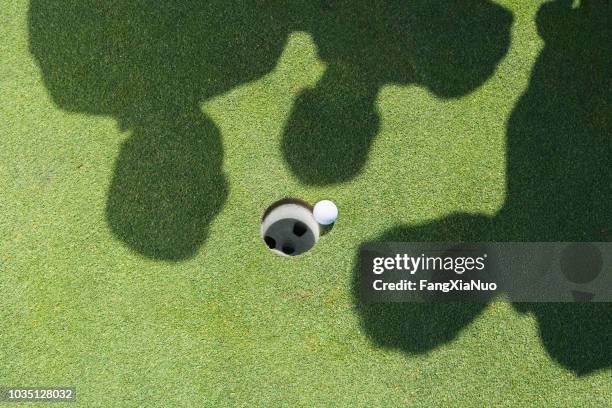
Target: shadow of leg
point(168, 186)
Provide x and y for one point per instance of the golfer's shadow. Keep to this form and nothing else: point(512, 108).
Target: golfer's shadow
point(448, 47)
point(559, 188)
point(151, 64)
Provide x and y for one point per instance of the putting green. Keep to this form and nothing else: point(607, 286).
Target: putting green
point(142, 142)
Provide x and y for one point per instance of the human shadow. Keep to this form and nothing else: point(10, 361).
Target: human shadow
point(149, 65)
point(167, 185)
point(559, 188)
point(448, 47)
point(421, 327)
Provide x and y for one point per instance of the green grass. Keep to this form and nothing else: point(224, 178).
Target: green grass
point(138, 155)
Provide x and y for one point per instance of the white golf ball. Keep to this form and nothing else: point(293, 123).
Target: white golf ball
point(325, 212)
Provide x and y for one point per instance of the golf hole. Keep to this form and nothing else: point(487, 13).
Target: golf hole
point(288, 227)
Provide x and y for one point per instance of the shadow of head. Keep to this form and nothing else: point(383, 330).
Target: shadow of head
point(448, 47)
point(149, 65)
point(559, 188)
point(167, 186)
point(416, 328)
point(576, 335)
point(564, 117)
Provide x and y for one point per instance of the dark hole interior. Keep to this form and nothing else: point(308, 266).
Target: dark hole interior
point(299, 228)
point(288, 249)
point(270, 242)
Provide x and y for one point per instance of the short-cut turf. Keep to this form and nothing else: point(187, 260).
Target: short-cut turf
point(111, 283)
